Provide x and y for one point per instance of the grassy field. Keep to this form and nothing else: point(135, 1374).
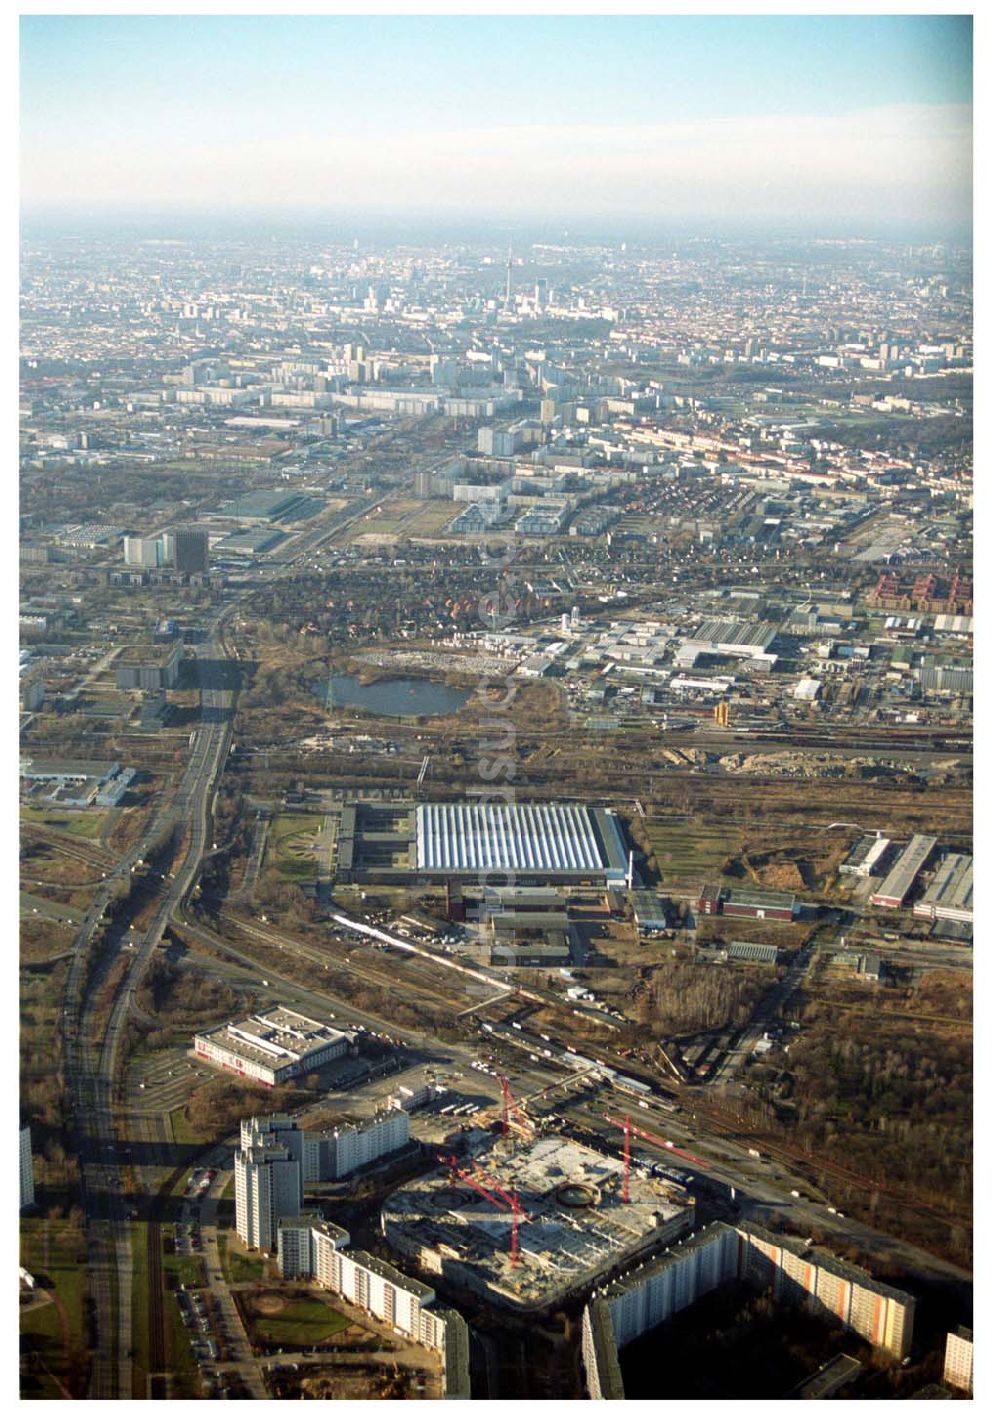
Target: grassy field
point(688, 853)
point(82, 824)
point(431, 519)
point(52, 1251)
point(302, 1321)
point(41, 940)
point(291, 845)
point(187, 1270)
point(140, 1312)
point(185, 1383)
point(237, 1266)
point(181, 1129)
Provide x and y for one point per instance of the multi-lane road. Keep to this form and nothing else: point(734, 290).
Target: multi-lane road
point(92, 1070)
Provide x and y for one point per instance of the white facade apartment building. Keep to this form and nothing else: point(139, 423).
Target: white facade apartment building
point(653, 1292)
point(27, 1170)
point(332, 1155)
point(282, 1131)
point(268, 1187)
point(354, 1147)
point(310, 1247)
point(789, 1267)
point(958, 1359)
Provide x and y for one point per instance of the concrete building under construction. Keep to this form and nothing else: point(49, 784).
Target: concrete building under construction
point(527, 1225)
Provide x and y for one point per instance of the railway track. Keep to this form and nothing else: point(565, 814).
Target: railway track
point(424, 981)
point(69, 847)
point(156, 1325)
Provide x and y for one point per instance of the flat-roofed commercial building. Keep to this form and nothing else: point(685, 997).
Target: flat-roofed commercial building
point(148, 667)
point(77, 783)
point(747, 902)
point(949, 896)
point(545, 841)
point(733, 638)
point(272, 1047)
point(896, 887)
point(865, 855)
point(648, 911)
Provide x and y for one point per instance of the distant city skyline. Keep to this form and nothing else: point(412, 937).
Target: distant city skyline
point(855, 120)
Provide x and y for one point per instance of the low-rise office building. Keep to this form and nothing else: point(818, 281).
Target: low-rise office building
point(898, 884)
point(272, 1047)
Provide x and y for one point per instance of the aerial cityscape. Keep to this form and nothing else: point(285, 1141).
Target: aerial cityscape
point(495, 712)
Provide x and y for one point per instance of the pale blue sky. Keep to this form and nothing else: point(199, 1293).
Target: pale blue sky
point(711, 115)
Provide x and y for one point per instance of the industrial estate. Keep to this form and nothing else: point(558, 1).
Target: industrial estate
point(496, 868)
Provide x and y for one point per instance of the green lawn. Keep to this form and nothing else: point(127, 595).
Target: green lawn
point(292, 845)
point(685, 852)
point(185, 1380)
point(182, 1132)
point(240, 1268)
point(140, 1312)
point(80, 823)
point(41, 1327)
point(183, 1269)
point(305, 1321)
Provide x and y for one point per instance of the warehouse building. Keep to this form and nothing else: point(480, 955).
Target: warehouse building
point(949, 896)
point(272, 1048)
point(749, 639)
point(865, 855)
point(747, 902)
point(897, 886)
point(648, 911)
point(76, 783)
point(521, 844)
point(271, 506)
point(763, 952)
point(555, 841)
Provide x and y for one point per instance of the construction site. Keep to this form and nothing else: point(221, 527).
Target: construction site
point(526, 1223)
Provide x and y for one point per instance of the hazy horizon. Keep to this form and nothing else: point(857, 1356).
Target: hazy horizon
point(850, 123)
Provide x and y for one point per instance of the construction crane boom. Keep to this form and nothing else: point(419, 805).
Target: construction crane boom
point(495, 1194)
point(629, 1128)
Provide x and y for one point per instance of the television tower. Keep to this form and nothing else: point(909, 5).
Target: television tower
point(510, 272)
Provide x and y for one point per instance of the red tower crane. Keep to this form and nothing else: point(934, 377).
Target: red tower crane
point(494, 1194)
point(629, 1129)
point(627, 1157)
point(512, 1113)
